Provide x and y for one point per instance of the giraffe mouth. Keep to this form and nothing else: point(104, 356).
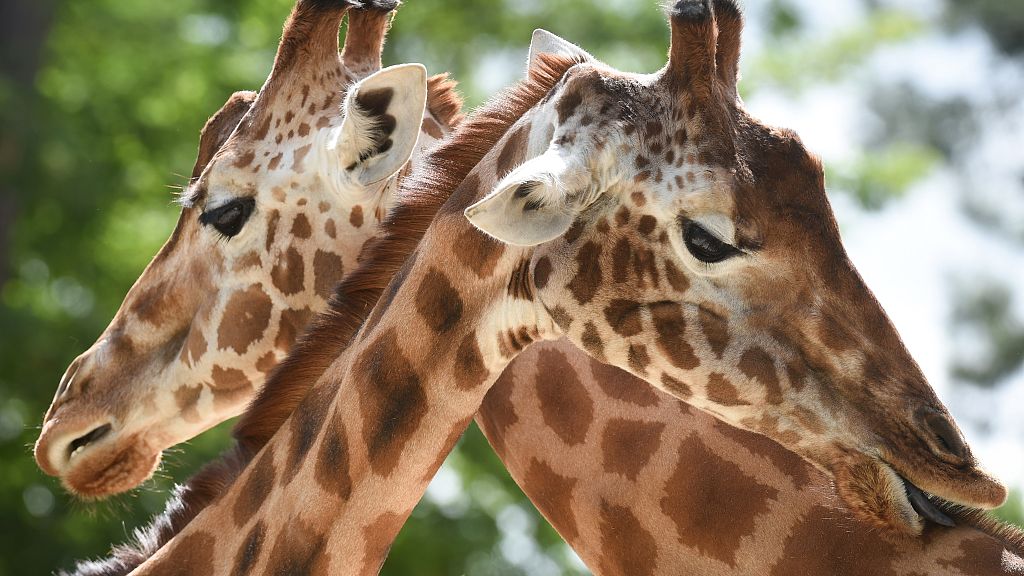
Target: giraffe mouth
point(924, 503)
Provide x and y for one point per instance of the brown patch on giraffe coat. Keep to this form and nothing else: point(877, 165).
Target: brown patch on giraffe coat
point(542, 272)
point(676, 279)
point(153, 304)
point(438, 302)
point(393, 401)
point(198, 549)
point(246, 317)
point(552, 493)
point(757, 364)
point(647, 224)
point(299, 157)
point(638, 359)
point(355, 217)
point(628, 548)
point(432, 128)
point(622, 216)
point(812, 547)
point(588, 275)
point(621, 254)
point(275, 161)
point(478, 252)
point(272, 220)
point(513, 152)
point(194, 347)
point(186, 398)
point(289, 273)
point(330, 228)
point(498, 411)
point(255, 489)
point(627, 445)
point(520, 283)
point(229, 383)
point(565, 404)
point(677, 388)
point(568, 104)
point(291, 325)
point(328, 270)
point(714, 505)
point(301, 227)
point(249, 553)
point(834, 334)
point(671, 328)
point(267, 362)
point(469, 368)
point(250, 259)
point(378, 537)
point(306, 423)
point(982, 555)
point(720, 391)
point(787, 462)
point(332, 461)
point(591, 340)
point(245, 159)
point(299, 549)
point(621, 385)
point(624, 317)
point(715, 329)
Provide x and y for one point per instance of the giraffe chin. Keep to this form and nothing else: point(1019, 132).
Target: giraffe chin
point(879, 495)
point(111, 470)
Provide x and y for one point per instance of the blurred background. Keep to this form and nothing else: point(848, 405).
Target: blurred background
point(915, 106)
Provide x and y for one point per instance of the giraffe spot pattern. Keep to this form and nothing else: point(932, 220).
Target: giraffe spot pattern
point(186, 398)
point(565, 404)
point(784, 460)
point(198, 549)
point(306, 423)
point(301, 227)
point(812, 549)
point(438, 302)
point(980, 556)
point(713, 506)
point(154, 304)
point(715, 329)
point(478, 252)
point(513, 152)
point(249, 553)
point(498, 412)
point(298, 549)
point(638, 359)
point(671, 328)
point(393, 401)
point(677, 388)
point(378, 536)
point(627, 445)
point(273, 218)
point(330, 228)
point(328, 270)
point(629, 549)
point(542, 272)
point(758, 365)
point(469, 368)
point(588, 276)
point(591, 340)
point(568, 104)
point(194, 347)
point(622, 385)
point(288, 274)
point(553, 494)
point(332, 462)
point(293, 321)
point(676, 279)
point(230, 383)
point(246, 317)
point(624, 317)
point(722, 392)
point(355, 217)
point(255, 489)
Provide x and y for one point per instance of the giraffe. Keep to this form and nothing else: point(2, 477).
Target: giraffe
point(575, 476)
point(476, 302)
point(287, 187)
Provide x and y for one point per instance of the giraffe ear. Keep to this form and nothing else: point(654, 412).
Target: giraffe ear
point(383, 116)
point(544, 42)
point(530, 205)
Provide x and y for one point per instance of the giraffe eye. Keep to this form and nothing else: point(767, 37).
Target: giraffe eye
point(705, 246)
point(229, 218)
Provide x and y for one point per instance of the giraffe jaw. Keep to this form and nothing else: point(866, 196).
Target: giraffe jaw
point(99, 473)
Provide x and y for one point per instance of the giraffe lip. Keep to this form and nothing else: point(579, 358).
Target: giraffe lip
point(922, 503)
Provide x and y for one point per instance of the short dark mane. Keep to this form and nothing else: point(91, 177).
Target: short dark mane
point(1010, 536)
point(420, 196)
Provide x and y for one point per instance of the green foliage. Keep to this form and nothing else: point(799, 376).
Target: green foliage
point(879, 175)
point(988, 309)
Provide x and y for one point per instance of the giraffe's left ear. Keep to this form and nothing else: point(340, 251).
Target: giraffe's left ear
point(383, 117)
point(532, 205)
point(544, 42)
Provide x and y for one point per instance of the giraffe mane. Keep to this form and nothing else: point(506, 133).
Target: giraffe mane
point(420, 197)
point(1010, 536)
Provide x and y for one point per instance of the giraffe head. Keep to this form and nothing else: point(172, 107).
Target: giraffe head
point(677, 237)
point(287, 185)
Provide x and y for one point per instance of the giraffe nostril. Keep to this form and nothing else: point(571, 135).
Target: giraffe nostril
point(92, 436)
point(946, 436)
